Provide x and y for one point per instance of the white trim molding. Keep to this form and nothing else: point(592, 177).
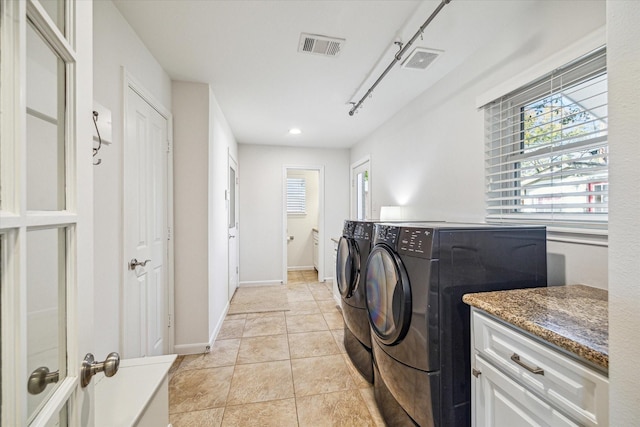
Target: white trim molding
point(589, 43)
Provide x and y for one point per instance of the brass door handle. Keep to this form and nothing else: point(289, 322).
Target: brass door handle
point(534, 370)
point(135, 263)
point(40, 378)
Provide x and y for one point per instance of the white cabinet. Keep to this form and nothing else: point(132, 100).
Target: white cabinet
point(501, 401)
point(138, 395)
point(520, 381)
point(315, 249)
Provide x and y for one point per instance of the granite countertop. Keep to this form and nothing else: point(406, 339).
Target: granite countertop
point(574, 317)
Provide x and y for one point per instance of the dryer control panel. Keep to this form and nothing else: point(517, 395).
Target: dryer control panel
point(417, 242)
point(386, 234)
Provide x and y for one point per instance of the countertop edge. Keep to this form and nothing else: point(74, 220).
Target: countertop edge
point(582, 351)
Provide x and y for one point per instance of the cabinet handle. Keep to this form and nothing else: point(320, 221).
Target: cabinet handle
point(476, 373)
point(535, 370)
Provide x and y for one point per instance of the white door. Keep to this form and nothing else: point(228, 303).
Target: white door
point(145, 294)
point(232, 210)
point(46, 180)
point(361, 189)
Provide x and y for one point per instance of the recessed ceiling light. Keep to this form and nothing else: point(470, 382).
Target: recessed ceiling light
point(295, 131)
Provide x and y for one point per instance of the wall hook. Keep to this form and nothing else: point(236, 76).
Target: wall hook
point(95, 150)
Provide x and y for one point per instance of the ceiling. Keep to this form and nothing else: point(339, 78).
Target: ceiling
point(248, 52)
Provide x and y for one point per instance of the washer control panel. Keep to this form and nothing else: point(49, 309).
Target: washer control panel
point(417, 242)
point(347, 230)
point(363, 231)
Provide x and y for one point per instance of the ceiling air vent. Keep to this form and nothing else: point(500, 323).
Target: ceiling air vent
point(320, 45)
point(421, 58)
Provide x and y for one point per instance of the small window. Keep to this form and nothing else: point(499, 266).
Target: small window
point(296, 196)
point(547, 154)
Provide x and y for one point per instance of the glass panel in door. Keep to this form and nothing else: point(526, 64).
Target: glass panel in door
point(232, 198)
point(45, 126)
point(361, 190)
point(362, 194)
point(46, 313)
point(56, 10)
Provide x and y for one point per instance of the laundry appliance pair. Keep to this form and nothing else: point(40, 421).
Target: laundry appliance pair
point(414, 280)
point(353, 249)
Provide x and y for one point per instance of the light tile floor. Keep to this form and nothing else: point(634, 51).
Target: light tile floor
point(278, 361)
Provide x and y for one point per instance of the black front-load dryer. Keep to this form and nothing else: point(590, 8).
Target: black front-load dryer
point(353, 250)
point(415, 278)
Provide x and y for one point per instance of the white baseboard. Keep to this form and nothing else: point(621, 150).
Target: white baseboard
point(303, 268)
point(216, 330)
point(259, 283)
point(197, 348)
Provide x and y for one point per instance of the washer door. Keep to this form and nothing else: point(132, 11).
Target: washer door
point(347, 266)
point(388, 295)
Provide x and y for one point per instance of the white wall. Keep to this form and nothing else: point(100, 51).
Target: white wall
point(300, 249)
point(623, 62)
point(115, 44)
point(203, 142)
point(428, 157)
point(261, 205)
point(222, 144)
point(191, 212)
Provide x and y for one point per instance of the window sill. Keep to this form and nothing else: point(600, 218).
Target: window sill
point(566, 234)
point(578, 236)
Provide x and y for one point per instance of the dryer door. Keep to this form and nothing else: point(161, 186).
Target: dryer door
point(347, 266)
point(388, 295)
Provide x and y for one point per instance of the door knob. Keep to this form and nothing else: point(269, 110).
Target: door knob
point(135, 263)
point(90, 367)
point(40, 378)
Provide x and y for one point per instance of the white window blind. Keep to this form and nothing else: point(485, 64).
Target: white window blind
point(547, 150)
point(296, 196)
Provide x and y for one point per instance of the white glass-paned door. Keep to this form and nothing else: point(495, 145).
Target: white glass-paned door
point(38, 213)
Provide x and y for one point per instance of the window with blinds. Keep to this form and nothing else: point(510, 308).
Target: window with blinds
point(296, 196)
point(547, 155)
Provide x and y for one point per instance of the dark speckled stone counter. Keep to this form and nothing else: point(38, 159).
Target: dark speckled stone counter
point(574, 318)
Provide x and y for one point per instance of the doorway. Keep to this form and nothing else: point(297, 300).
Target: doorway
point(361, 189)
point(303, 220)
point(146, 296)
point(232, 214)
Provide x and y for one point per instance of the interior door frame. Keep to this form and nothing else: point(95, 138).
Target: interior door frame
point(231, 159)
point(130, 82)
point(352, 192)
point(321, 227)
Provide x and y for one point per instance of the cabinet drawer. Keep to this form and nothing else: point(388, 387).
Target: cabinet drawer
point(570, 386)
point(504, 403)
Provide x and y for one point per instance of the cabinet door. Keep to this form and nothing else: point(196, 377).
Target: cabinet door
point(501, 402)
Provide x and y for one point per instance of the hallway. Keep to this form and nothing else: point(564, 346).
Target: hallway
point(278, 361)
